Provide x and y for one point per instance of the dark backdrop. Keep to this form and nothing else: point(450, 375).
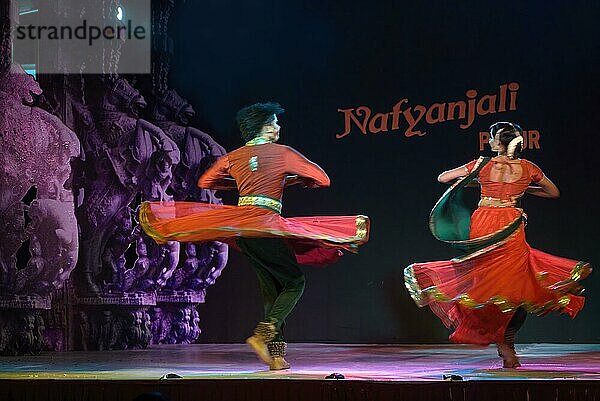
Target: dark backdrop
point(315, 57)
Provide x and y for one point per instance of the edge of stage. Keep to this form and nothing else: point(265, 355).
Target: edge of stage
point(372, 372)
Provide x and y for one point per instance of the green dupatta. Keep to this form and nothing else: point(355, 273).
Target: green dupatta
point(450, 218)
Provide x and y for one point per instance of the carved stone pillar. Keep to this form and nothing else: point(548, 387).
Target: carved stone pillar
point(38, 230)
point(127, 291)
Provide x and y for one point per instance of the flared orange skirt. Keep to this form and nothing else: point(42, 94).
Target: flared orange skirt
point(315, 240)
point(477, 295)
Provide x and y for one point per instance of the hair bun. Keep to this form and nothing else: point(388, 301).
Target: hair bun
point(511, 149)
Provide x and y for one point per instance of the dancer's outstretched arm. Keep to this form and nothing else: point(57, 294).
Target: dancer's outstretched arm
point(451, 175)
point(310, 173)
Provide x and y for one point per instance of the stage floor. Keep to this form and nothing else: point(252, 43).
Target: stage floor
point(409, 363)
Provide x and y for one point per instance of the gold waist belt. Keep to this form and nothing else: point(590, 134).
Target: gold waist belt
point(263, 201)
point(495, 202)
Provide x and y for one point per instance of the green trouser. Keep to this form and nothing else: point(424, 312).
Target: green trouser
point(280, 278)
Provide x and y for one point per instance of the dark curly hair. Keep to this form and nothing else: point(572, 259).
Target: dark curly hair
point(507, 132)
point(252, 118)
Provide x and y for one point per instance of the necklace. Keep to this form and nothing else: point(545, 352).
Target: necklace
point(257, 141)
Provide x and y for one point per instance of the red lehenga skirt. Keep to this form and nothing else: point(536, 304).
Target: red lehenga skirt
point(315, 240)
point(477, 294)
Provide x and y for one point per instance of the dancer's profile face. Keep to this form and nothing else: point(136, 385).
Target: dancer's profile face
point(270, 131)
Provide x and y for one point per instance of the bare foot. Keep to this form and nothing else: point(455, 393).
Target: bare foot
point(508, 355)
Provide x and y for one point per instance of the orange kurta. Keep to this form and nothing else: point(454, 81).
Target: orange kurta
point(476, 295)
point(260, 173)
point(262, 170)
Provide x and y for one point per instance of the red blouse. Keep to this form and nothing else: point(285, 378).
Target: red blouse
point(506, 190)
point(262, 170)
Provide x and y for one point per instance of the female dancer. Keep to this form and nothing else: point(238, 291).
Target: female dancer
point(274, 246)
point(485, 294)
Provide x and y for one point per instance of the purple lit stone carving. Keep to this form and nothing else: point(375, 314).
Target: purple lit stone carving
point(126, 156)
point(35, 153)
point(203, 262)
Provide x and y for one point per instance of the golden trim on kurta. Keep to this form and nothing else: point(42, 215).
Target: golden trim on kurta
point(263, 201)
point(361, 227)
point(147, 226)
point(257, 141)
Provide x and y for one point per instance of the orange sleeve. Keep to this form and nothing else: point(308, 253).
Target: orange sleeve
point(535, 172)
point(217, 176)
point(296, 163)
point(470, 165)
